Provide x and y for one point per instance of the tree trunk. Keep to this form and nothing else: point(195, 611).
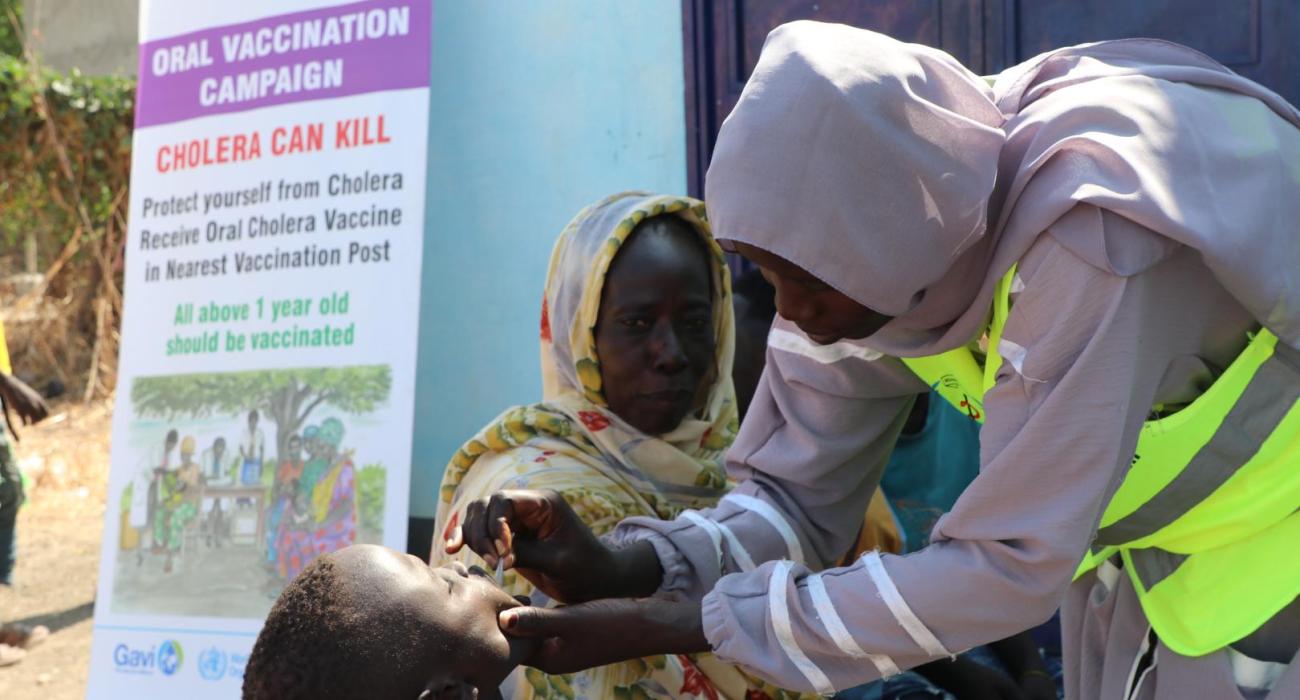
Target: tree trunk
point(283, 416)
point(286, 409)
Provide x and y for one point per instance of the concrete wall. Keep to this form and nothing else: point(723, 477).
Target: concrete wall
point(94, 36)
point(536, 112)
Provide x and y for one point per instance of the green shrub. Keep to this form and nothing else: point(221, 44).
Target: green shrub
point(65, 163)
point(371, 482)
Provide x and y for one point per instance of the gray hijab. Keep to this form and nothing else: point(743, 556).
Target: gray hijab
point(911, 185)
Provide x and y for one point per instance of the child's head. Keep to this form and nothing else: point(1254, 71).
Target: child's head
point(369, 622)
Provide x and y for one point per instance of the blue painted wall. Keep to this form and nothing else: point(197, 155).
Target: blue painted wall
point(537, 110)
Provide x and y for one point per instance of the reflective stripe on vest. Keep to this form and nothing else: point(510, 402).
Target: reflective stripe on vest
point(1206, 518)
point(1240, 435)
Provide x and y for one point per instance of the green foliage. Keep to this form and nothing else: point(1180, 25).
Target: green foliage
point(285, 396)
point(371, 482)
point(352, 389)
point(65, 163)
point(10, 41)
point(92, 117)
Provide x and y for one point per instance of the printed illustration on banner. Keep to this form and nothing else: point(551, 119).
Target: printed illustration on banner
point(243, 479)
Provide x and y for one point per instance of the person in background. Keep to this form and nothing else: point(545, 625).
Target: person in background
point(283, 490)
point(755, 303)
point(144, 494)
point(291, 465)
point(15, 398)
point(212, 462)
point(252, 452)
point(178, 494)
point(330, 498)
point(315, 463)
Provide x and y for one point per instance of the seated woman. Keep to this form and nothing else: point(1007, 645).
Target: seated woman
point(637, 410)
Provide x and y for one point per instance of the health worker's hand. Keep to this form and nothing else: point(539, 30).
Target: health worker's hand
point(539, 535)
point(606, 631)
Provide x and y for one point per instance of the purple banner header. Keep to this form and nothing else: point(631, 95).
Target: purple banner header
point(314, 55)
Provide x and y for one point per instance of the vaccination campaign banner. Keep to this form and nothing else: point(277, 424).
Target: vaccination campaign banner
point(266, 387)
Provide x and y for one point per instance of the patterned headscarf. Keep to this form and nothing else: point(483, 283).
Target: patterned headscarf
point(679, 469)
point(331, 432)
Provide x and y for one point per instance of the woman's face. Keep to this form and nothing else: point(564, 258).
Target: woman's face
point(654, 336)
point(819, 310)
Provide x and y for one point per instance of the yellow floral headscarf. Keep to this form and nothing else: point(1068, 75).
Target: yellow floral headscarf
point(677, 470)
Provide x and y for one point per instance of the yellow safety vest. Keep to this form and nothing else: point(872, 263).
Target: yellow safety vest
point(1207, 520)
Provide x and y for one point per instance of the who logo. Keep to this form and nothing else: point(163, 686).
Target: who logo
point(213, 664)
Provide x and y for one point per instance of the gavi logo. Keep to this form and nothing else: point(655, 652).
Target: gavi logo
point(165, 658)
point(170, 657)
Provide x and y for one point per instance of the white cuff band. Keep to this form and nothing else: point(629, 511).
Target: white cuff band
point(916, 629)
point(780, 610)
point(773, 518)
point(885, 666)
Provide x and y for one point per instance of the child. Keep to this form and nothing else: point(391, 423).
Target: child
point(299, 509)
point(369, 622)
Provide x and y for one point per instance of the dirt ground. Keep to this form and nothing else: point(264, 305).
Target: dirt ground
point(66, 460)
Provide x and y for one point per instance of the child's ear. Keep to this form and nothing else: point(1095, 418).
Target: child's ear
point(449, 690)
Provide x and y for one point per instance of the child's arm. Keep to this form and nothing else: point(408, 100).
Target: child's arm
point(15, 395)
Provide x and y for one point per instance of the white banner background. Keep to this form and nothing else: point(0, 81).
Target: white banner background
point(187, 632)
